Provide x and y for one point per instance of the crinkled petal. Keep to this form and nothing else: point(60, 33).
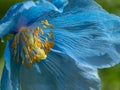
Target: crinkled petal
point(10, 76)
point(59, 4)
point(82, 5)
point(23, 14)
point(5, 81)
point(88, 33)
point(60, 72)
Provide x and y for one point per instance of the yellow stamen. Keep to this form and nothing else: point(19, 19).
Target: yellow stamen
point(36, 32)
point(23, 62)
point(34, 47)
point(44, 26)
point(46, 39)
point(14, 52)
point(13, 45)
point(42, 32)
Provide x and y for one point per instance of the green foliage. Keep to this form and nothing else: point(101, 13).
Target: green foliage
point(111, 76)
point(5, 5)
point(113, 6)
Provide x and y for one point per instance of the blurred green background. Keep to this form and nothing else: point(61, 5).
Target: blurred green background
point(111, 76)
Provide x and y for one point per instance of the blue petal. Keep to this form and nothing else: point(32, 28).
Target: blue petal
point(5, 81)
point(10, 76)
point(7, 54)
point(59, 4)
point(60, 72)
point(87, 33)
point(23, 14)
point(82, 5)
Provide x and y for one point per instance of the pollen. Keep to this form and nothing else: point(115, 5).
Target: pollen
point(46, 39)
point(14, 52)
point(29, 50)
point(33, 44)
point(41, 31)
point(44, 26)
point(45, 22)
point(24, 30)
point(36, 32)
point(23, 62)
point(13, 45)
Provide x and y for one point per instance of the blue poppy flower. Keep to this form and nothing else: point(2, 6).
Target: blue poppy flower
point(58, 44)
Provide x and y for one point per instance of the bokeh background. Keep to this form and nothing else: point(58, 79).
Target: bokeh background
point(110, 77)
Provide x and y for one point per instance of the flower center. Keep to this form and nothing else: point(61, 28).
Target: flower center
point(32, 45)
